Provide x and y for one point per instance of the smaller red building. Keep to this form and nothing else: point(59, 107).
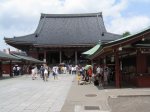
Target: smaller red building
point(7, 62)
point(130, 58)
point(9, 58)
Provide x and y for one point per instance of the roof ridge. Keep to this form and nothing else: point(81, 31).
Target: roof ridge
point(71, 15)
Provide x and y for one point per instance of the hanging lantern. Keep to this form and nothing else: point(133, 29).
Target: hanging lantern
point(112, 59)
point(120, 48)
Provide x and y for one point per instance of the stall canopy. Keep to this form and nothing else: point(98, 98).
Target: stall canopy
point(26, 58)
point(5, 56)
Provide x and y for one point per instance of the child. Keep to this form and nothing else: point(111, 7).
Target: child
point(78, 78)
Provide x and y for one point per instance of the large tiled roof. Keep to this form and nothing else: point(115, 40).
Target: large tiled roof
point(67, 29)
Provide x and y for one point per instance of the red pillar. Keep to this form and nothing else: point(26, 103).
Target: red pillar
point(117, 71)
point(10, 65)
point(140, 62)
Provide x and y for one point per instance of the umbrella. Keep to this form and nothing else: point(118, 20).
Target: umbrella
point(87, 67)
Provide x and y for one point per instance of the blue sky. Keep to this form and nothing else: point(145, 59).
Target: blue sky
point(21, 17)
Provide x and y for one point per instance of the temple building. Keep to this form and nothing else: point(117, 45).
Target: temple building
point(63, 37)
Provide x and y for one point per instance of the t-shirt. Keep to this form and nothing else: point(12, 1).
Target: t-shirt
point(89, 72)
point(46, 71)
point(98, 70)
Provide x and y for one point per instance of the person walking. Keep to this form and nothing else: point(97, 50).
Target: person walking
point(33, 73)
point(106, 73)
point(14, 70)
point(46, 73)
point(100, 75)
point(90, 72)
point(79, 78)
point(18, 70)
point(36, 72)
point(55, 72)
point(42, 72)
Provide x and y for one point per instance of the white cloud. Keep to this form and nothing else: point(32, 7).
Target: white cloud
point(146, 1)
point(20, 17)
point(34, 7)
point(17, 12)
point(21, 14)
point(131, 24)
point(115, 9)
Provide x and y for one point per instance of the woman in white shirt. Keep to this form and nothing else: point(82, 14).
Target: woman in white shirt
point(46, 74)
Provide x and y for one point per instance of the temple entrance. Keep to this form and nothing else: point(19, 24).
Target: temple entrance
point(57, 57)
point(128, 70)
point(52, 58)
point(68, 57)
point(110, 63)
point(41, 56)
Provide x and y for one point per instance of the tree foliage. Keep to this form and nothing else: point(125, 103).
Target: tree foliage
point(126, 34)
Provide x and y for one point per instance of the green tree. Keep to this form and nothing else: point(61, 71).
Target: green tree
point(126, 34)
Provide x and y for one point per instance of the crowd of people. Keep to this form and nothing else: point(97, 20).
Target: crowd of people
point(17, 70)
point(102, 75)
point(99, 75)
point(45, 71)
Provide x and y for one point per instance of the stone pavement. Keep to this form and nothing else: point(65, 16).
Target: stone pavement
point(22, 94)
point(89, 98)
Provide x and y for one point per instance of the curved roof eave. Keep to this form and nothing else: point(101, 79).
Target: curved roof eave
point(118, 41)
point(129, 37)
point(27, 39)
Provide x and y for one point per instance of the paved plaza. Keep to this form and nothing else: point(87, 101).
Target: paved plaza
point(89, 98)
point(22, 94)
